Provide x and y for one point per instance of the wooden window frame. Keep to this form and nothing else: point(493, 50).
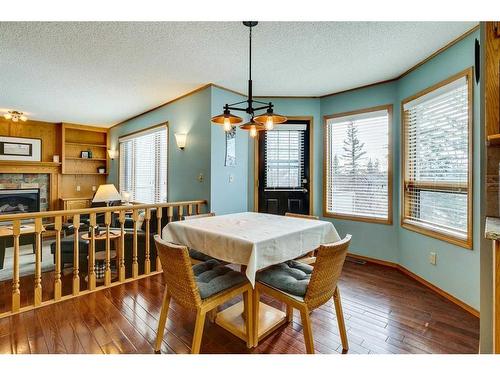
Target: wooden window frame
point(368, 219)
point(465, 243)
point(137, 132)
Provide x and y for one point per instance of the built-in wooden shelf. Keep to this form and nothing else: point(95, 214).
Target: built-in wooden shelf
point(86, 144)
point(493, 140)
point(84, 159)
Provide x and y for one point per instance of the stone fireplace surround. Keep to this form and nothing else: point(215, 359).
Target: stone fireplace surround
point(28, 180)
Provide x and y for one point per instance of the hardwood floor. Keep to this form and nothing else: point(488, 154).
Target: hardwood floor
point(385, 312)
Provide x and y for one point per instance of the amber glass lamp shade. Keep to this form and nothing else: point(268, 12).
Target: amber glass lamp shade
point(227, 120)
point(253, 127)
point(269, 119)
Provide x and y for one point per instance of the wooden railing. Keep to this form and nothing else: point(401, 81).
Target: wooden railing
point(41, 222)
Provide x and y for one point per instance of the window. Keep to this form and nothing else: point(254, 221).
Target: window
point(143, 165)
point(358, 165)
point(284, 156)
point(436, 156)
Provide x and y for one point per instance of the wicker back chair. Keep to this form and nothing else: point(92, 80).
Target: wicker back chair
point(321, 288)
point(327, 269)
point(308, 258)
point(195, 255)
point(181, 285)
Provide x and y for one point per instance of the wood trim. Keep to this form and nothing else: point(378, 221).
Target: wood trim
point(467, 244)
point(421, 280)
point(159, 125)
point(442, 49)
point(201, 88)
point(311, 163)
point(496, 297)
point(389, 220)
point(360, 87)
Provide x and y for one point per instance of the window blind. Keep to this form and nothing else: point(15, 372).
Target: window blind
point(143, 165)
point(357, 165)
point(284, 155)
point(436, 191)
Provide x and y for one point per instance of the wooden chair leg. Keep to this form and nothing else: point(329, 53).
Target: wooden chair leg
point(162, 321)
point(306, 326)
point(340, 319)
point(289, 313)
point(212, 314)
point(255, 306)
point(247, 296)
point(198, 332)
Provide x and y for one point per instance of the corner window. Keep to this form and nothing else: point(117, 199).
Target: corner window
point(437, 128)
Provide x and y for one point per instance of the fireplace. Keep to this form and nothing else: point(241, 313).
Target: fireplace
point(15, 201)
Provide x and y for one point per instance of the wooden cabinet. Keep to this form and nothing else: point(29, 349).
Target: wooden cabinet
point(75, 204)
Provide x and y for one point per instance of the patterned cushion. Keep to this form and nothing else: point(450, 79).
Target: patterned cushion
point(290, 277)
point(212, 278)
point(198, 255)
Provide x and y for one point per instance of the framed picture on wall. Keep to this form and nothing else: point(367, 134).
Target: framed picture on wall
point(230, 148)
point(22, 149)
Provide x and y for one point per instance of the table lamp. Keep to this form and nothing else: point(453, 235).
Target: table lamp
point(106, 193)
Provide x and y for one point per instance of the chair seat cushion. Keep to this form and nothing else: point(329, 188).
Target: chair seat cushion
point(198, 255)
point(212, 278)
point(290, 277)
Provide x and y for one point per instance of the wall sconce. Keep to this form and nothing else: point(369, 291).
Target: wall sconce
point(180, 138)
point(113, 154)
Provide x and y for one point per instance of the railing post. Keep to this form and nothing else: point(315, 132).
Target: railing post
point(135, 265)
point(190, 209)
point(121, 251)
point(147, 261)
point(76, 255)
point(181, 212)
point(107, 269)
point(57, 271)
point(16, 293)
point(91, 255)
point(159, 214)
point(198, 208)
point(170, 214)
point(38, 262)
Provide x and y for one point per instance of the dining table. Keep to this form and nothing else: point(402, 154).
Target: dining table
point(255, 241)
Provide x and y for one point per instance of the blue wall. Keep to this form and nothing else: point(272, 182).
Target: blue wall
point(190, 115)
point(228, 197)
point(457, 269)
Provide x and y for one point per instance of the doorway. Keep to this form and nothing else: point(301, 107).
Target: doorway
point(284, 168)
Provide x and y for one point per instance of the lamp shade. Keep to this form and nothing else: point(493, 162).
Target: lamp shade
point(180, 138)
point(107, 193)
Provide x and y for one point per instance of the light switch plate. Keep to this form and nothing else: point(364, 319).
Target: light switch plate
point(432, 258)
point(231, 178)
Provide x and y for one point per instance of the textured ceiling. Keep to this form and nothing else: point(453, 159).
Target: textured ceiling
point(102, 73)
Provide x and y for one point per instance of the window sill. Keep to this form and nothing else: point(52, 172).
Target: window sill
point(365, 219)
point(465, 243)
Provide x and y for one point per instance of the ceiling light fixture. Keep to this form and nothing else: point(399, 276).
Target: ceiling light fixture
point(15, 116)
point(257, 123)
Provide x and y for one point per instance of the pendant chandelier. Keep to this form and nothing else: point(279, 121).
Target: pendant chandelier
point(264, 121)
point(15, 116)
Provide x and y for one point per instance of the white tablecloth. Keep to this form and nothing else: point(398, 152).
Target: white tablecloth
point(252, 239)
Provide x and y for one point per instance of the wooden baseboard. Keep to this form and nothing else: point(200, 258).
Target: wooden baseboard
point(422, 281)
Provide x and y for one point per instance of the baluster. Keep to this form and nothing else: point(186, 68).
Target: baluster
point(159, 213)
point(16, 293)
point(92, 276)
point(170, 214)
point(121, 251)
point(135, 265)
point(181, 212)
point(107, 272)
point(57, 272)
point(147, 261)
point(76, 255)
point(198, 208)
point(190, 209)
point(38, 262)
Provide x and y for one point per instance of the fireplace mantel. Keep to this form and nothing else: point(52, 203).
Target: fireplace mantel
point(29, 167)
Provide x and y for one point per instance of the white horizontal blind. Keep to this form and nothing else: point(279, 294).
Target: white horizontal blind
point(437, 160)
point(284, 153)
point(143, 166)
point(357, 165)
